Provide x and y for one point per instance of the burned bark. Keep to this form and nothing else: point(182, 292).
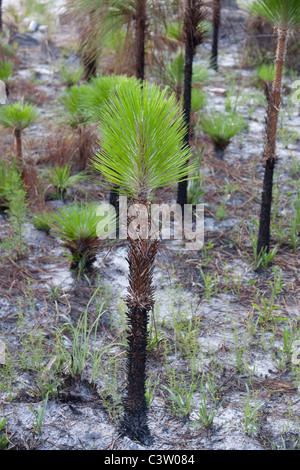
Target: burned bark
point(140, 301)
point(140, 38)
point(263, 241)
point(18, 146)
point(194, 15)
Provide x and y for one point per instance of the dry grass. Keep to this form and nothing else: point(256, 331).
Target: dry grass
point(21, 89)
point(63, 146)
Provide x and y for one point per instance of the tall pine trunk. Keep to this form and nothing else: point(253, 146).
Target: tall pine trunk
point(140, 38)
point(263, 242)
point(194, 15)
point(182, 197)
point(216, 27)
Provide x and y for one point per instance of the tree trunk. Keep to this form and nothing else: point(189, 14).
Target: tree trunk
point(263, 241)
point(28, 171)
point(140, 301)
point(265, 211)
point(114, 201)
point(81, 147)
point(182, 197)
point(140, 38)
point(89, 65)
point(216, 27)
point(30, 179)
point(18, 146)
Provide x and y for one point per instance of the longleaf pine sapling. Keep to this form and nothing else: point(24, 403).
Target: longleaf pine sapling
point(142, 146)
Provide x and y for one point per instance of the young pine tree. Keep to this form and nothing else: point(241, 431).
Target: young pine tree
point(76, 115)
point(142, 149)
point(140, 38)
point(19, 116)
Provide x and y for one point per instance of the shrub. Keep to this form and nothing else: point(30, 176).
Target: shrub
point(221, 128)
point(62, 180)
point(18, 116)
point(5, 70)
point(10, 181)
point(71, 75)
point(199, 100)
point(79, 227)
point(43, 221)
point(74, 113)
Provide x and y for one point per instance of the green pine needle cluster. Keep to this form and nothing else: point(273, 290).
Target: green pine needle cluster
point(284, 14)
point(74, 111)
point(222, 127)
point(62, 180)
point(17, 115)
point(80, 228)
point(6, 69)
point(142, 132)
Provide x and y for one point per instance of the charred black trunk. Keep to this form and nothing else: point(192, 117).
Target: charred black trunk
point(274, 98)
point(182, 197)
point(140, 38)
point(135, 417)
point(263, 241)
point(140, 301)
point(219, 151)
point(114, 198)
point(216, 27)
point(194, 15)
point(114, 201)
point(18, 146)
point(1, 25)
